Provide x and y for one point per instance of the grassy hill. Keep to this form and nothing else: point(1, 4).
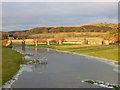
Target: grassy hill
point(67, 31)
point(81, 28)
point(69, 35)
point(112, 25)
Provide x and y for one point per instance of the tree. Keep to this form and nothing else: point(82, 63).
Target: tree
point(20, 35)
point(4, 35)
point(112, 35)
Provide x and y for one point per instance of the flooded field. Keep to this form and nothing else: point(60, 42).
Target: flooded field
point(63, 70)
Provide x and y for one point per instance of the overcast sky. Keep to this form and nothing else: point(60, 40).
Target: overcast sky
point(27, 15)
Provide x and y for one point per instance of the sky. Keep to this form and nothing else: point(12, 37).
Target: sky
point(60, 0)
point(27, 15)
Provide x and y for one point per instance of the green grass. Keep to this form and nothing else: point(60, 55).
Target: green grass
point(69, 34)
point(11, 61)
point(103, 51)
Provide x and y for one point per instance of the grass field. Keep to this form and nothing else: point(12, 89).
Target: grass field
point(102, 51)
point(68, 35)
point(11, 61)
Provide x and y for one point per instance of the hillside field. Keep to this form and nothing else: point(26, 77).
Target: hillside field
point(75, 35)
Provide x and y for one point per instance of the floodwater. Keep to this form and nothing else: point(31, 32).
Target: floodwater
point(64, 70)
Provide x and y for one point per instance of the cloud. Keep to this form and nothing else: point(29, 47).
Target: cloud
point(24, 15)
point(60, 0)
point(17, 27)
point(12, 27)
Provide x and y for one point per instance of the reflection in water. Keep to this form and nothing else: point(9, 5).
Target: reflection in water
point(34, 68)
point(48, 49)
point(23, 50)
point(36, 49)
point(26, 68)
point(23, 45)
point(39, 68)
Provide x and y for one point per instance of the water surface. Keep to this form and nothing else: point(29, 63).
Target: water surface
point(64, 70)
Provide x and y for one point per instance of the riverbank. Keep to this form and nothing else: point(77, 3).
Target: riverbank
point(11, 61)
point(102, 51)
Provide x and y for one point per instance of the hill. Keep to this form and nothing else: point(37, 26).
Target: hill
point(112, 25)
point(99, 27)
point(82, 28)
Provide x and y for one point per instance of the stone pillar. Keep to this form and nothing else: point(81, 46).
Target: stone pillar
point(102, 42)
point(60, 42)
point(23, 45)
point(85, 41)
point(106, 42)
point(9, 44)
point(36, 43)
point(48, 42)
